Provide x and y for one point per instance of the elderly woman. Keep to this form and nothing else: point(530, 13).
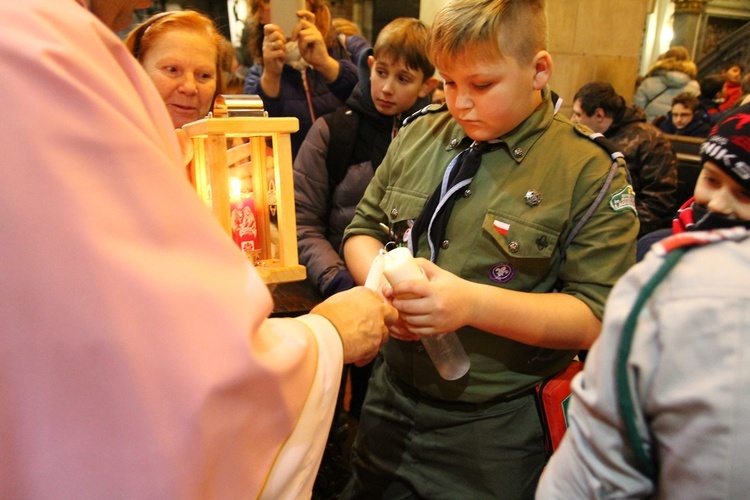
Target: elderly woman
point(180, 52)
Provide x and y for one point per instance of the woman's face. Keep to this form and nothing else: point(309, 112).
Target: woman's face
point(182, 65)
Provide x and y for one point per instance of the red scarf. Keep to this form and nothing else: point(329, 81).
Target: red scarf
point(684, 220)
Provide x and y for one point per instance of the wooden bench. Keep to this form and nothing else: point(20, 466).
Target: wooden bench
point(687, 151)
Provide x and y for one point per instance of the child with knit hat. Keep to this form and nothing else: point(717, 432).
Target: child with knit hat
point(661, 407)
point(722, 192)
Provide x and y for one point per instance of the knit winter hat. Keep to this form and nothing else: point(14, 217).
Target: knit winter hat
point(728, 145)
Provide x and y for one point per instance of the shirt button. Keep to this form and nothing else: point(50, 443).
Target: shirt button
point(394, 213)
point(420, 347)
point(513, 246)
point(453, 143)
point(518, 152)
point(445, 244)
point(467, 193)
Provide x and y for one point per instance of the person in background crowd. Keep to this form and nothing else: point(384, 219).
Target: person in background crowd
point(395, 81)
point(180, 52)
point(743, 99)
point(524, 177)
point(686, 117)
point(308, 75)
point(232, 71)
point(137, 359)
point(660, 409)
point(651, 161)
point(732, 74)
point(710, 96)
point(345, 27)
point(673, 73)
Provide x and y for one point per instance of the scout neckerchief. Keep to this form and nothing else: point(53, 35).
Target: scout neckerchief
point(437, 211)
point(459, 174)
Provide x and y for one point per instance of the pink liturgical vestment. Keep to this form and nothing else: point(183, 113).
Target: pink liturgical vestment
point(136, 360)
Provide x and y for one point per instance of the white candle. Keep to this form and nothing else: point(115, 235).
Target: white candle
point(445, 350)
point(401, 266)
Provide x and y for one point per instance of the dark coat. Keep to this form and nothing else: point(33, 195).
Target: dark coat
point(652, 166)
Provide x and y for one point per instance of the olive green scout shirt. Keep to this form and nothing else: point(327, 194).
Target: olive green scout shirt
point(538, 185)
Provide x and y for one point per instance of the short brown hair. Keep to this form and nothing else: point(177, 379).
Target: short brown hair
point(688, 100)
point(516, 28)
point(405, 38)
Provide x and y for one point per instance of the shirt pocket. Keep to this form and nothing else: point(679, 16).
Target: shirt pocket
point(401, 207)
point(515, 251)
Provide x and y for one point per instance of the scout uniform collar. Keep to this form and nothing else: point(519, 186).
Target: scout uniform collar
point(521, 139)
point(435, 215)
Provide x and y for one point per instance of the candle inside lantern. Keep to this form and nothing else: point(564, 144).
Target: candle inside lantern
point(244, 224)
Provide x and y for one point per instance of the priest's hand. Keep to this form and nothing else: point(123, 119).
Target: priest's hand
point(361, 318)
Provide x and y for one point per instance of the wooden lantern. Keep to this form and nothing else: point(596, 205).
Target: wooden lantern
point(242, 169)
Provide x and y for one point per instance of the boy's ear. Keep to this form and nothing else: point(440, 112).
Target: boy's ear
point(428, 86)
point(542, 69)
point(370, 61)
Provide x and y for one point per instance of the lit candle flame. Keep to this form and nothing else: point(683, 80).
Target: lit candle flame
point(235, 189)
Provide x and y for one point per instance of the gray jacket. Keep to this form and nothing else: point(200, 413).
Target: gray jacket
point(688, 375)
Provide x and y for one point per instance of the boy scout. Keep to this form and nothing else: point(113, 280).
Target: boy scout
point(495, 233)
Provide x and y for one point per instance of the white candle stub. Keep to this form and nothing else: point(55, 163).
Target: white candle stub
point(401, 266)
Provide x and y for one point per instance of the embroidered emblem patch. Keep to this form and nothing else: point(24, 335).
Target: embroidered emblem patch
point(501, 273)
point(623, 200)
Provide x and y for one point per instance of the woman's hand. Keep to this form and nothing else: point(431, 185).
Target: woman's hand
point(312, 46)
point(274, 50)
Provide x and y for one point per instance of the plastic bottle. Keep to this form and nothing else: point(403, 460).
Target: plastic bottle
point(445, 350)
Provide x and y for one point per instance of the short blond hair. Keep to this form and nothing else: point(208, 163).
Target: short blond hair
point(515, 28)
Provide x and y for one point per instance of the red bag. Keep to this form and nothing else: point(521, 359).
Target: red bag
point(553, 396)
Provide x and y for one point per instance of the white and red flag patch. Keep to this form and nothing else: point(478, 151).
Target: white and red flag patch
point(501, 227)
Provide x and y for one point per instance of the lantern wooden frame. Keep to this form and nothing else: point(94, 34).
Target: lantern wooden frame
point(209, 172)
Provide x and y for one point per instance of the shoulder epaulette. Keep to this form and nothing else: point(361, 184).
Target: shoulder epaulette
point(427, 110)
point(618, 161)
point(599, 139)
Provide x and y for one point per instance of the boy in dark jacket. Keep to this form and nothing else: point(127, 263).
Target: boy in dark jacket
point(342, 150)
point(651, 161)
point(686, 117)
point(395, 80)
